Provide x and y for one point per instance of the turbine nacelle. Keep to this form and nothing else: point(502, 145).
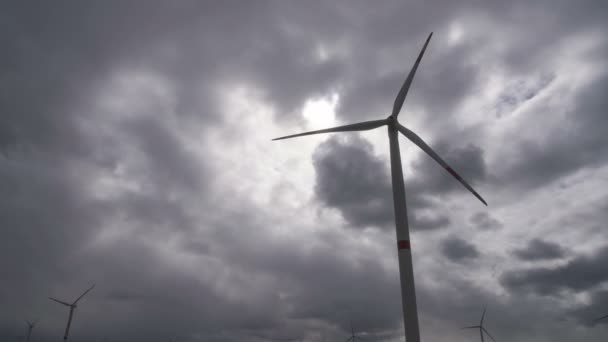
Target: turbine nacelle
point(30, 327)
point(481, 328)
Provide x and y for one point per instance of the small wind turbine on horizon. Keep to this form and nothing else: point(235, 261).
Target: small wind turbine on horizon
point(406, 271)
point(353, 336)
point(481, 328)
point(30, 327)
point(72, 308)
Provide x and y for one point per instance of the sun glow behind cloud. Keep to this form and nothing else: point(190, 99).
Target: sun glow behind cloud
point(455, 33)
point(244, 146)
point(321, 112)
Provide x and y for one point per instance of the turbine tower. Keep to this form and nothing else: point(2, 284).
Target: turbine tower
point(30, 327)
point(72, 307)
point(481, 328)
point(406, 272)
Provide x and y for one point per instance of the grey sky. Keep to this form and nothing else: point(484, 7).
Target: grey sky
point(135, 154)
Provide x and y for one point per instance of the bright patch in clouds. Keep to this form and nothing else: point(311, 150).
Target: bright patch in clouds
point(321, 112)
point(455, 33)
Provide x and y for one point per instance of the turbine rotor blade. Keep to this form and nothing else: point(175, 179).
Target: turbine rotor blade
point(426, 148)
point(482, 316)
point(487, 333)
point(599, 319)
point(82, 295)
point(360, 126)
point(60, 301)
point(471, 327)
point(350, 338)
point(408, 81)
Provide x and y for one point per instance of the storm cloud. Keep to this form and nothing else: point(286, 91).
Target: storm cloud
point(538, 249)
point(458, 250)
point(580, 273)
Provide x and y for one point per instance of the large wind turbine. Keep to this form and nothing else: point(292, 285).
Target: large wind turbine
point(30, 327)
point(72, 307)
point(408, 293)
point(481, 328)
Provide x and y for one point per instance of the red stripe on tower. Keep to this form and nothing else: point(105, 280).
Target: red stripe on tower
point(403, 244)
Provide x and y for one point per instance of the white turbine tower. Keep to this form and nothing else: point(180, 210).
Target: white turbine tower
point(481, 328)
point(408, 293)
point(30, 327)
point(72, 307)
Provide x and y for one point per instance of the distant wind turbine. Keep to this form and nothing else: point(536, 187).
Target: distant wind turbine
point(72, 307)
point(408, 292)
point(353, 336)
point(30, 327)
point(481, 328)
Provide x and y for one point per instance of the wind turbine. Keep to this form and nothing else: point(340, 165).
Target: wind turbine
point(72, 307)
point(406, 272)
point(481, 328)
point(353, 336)
point(30, 327)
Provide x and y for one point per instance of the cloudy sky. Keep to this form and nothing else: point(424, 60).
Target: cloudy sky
point(135, 154)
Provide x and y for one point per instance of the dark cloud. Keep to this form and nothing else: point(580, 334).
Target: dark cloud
point(58, 54)
point(422, 221)
point(538, 249)
point(484, 221)
point(458, 250)
point(582, 273)
point(352, 179)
